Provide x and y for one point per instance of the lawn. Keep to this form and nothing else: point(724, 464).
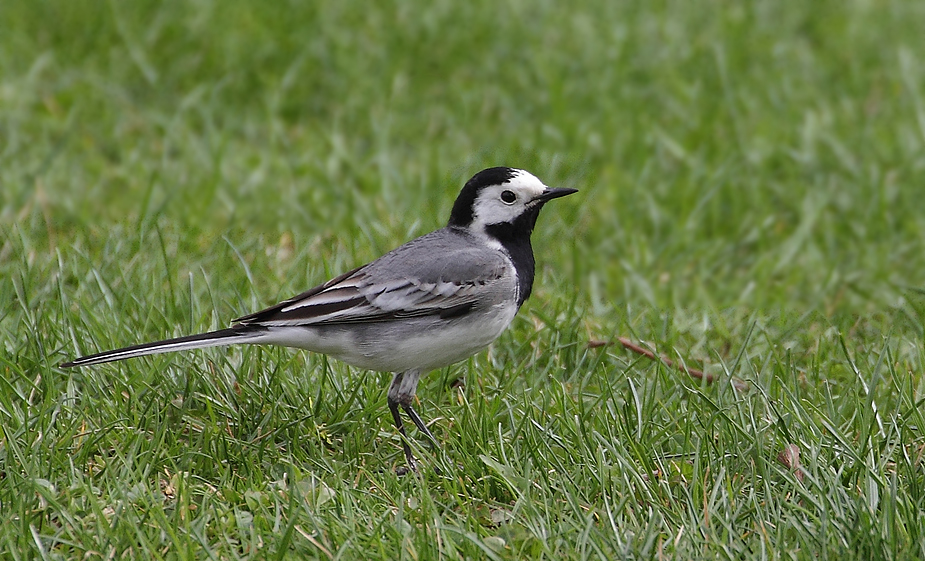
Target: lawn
point(751, 180)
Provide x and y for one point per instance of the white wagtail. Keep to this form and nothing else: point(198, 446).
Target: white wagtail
point(432, 302)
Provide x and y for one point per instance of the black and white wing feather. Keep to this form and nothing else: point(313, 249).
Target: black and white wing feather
point(448, 280)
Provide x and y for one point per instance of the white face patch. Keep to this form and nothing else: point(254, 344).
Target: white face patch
point(504, 203)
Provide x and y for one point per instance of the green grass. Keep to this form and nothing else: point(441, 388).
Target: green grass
point(751, 204)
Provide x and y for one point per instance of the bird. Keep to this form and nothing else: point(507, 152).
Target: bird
point(429, 303)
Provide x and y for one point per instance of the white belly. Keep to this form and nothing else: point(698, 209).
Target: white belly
point(400, 345)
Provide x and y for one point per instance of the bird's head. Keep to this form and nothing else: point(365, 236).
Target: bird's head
point(505, 198)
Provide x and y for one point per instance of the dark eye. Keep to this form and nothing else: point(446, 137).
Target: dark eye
point(508, 197)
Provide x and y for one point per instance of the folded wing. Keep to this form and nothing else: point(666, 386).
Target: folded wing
point(448, 281)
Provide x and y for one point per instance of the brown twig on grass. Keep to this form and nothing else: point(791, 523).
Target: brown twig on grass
point(692, 372)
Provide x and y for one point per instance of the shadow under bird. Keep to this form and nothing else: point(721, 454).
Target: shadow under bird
point(431, 302)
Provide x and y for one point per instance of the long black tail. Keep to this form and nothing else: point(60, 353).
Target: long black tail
point(236, 334)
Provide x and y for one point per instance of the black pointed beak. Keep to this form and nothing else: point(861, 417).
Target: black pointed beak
point(550, 194)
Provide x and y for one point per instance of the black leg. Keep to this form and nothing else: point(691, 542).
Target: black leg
point(401, 394)
point(419, 423)
point(396, 417)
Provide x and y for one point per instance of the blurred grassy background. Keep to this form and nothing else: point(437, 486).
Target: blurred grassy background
point(750, 175)
point(719, 145)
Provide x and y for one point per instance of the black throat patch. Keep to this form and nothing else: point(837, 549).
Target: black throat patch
point(515, 238)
